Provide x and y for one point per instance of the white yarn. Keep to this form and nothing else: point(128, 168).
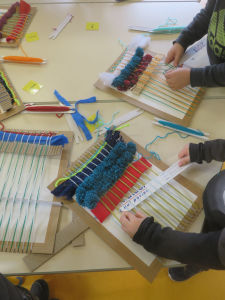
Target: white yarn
point(107, 78)
point(139, 41)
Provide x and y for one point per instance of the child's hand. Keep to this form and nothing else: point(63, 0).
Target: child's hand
point(174, 54)
point(178, 78)
point(130, 222)
point(184, 156)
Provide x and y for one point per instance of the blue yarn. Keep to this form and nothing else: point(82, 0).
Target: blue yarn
point(78, 118)
point(108, 124)
point(180, 127)
point(152, 154)
point(139, 52)
point(105, 175)
point(112, 137)
point(134, 62)
point(57, 140)
point(155, 154)
point(68, 188)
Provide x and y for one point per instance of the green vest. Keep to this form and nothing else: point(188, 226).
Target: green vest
point(216, 33)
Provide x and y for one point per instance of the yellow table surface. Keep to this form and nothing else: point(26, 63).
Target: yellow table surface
point(75, 59)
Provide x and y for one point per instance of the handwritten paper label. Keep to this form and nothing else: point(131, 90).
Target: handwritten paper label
point(150, 188)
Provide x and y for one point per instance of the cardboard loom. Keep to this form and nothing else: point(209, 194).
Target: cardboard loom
point(47, 246)
point(14, 19)
point(155, 96)
point(15, 107)
point(148, 270)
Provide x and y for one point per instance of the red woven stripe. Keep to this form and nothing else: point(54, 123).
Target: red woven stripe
point(32, 133)
point(146, 162)
point(100, 212)
point(24, 11)
point(117, 192)
point(120, 189)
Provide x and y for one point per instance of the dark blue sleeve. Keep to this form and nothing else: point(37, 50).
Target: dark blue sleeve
point(210, 76)
point(198, 27)
point(189, 248)
point(208, 151)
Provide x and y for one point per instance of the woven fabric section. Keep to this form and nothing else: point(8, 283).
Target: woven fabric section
point(113, 197)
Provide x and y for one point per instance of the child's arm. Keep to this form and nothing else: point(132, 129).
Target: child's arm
point(208, 151)
point(192, 33)
point(210, 76)
point(198, 27)
point(203, 249)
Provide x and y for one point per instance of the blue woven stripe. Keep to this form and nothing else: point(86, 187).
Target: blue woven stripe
point(58, 140)
point(68, 187)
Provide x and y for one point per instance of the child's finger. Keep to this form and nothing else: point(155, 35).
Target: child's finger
point(177, 59)
point(184, 152)
point(168, 74)
point(123, 218)
point(140, 214)
point(184, 161)
point(126, 217)
point(169, 58)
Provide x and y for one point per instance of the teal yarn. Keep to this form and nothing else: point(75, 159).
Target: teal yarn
point(105, 175)
point(181, 128)
point(155, 154)
point(130, 67)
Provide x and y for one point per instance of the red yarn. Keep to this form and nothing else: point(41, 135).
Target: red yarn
point(132, 79)
point(24, 11)
point(118, 191)
point(32, 133)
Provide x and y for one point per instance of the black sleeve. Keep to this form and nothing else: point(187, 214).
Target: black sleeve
point(208, 151)
point(8, 291)
point(190, 248)
point(210, 76)
point(198, 27)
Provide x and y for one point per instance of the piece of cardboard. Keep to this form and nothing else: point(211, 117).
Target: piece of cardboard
point(63, 238)
point(79, 241)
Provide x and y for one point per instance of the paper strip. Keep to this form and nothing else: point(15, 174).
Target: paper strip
point(148, 189)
